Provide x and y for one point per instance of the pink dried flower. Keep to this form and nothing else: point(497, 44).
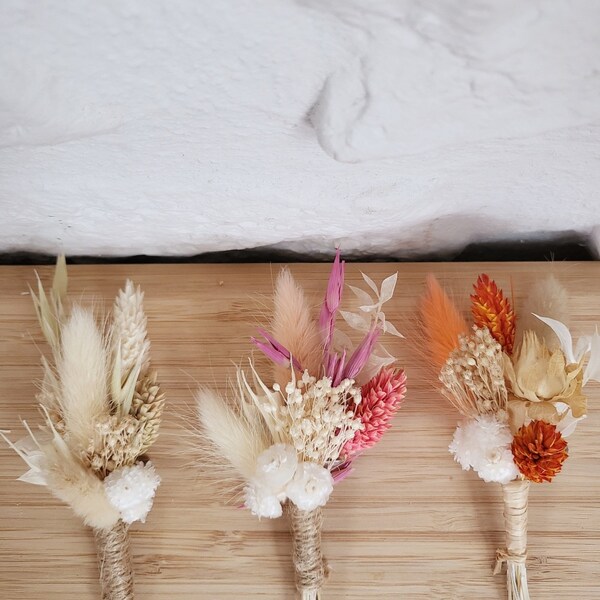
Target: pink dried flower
point(278, 353)
point(332, 301)
point(381, 398)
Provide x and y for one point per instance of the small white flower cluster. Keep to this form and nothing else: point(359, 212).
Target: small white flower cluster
point(317, 417)
point(483, 444)
point(474, 372)
point(131, 490)
point(280, 476)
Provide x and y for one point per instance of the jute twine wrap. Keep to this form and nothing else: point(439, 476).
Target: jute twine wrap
point(515, 495)
point(116, 569)
point(309, 565)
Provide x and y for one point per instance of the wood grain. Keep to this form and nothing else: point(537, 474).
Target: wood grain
point(408, 524)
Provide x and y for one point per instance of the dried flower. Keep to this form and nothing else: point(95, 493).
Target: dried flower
point(310, 487)
point(586, 345)
point(538, 378)
point(483, 444)
point(279, 477)
point(276, 466)
point(473, 375)
point(492, 310)
point(380, 399)
point(539, 451)
point(312, 416)
point(131, 490)
point(262, 502)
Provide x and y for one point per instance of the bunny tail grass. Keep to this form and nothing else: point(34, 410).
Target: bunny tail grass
point(82, 370)
point(442, 322)
point(548, 298)
point(228, 438)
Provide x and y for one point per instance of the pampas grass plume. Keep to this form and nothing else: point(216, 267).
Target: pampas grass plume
point(294, 328)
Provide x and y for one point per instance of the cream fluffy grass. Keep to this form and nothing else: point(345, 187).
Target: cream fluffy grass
point(549, 299)
point(82, 372)
point(234, 436)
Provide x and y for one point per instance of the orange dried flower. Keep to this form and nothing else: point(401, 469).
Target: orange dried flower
point(492, 310)
point(539, 451)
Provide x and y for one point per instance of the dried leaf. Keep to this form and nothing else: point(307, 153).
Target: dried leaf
point(563, 334)
point(370, 283)
point(59, 284)
point(369, 308)
point(389, 328)
point(387, 288)
point(592, 369)
point(363, 297)
point(355, 321)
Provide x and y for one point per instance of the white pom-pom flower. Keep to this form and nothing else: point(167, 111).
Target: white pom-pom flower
point(310, 487)
point(498, 466)
point(483, 444)
point(275, 467)
point(262, 502)
point(131, 490)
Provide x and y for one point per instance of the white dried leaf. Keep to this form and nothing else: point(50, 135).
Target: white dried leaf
point(370, 283)
point(592, 369)
point(387, 288)
point(363, 297)
point(341, 340)
point(356, 321)
point(389, 328)
point(563, 334)
point(369, 308)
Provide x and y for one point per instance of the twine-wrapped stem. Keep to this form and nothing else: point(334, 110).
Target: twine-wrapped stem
point(114, 556)
point(309, 564)
point(515, 495)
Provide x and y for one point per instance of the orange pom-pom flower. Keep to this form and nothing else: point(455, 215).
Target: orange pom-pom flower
point(539, 451)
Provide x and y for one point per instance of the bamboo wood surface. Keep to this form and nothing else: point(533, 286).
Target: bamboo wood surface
point(407, 524)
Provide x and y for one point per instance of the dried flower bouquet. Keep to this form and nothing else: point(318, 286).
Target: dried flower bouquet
point(102, 409)
point(286, 443)
point(519, 391)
